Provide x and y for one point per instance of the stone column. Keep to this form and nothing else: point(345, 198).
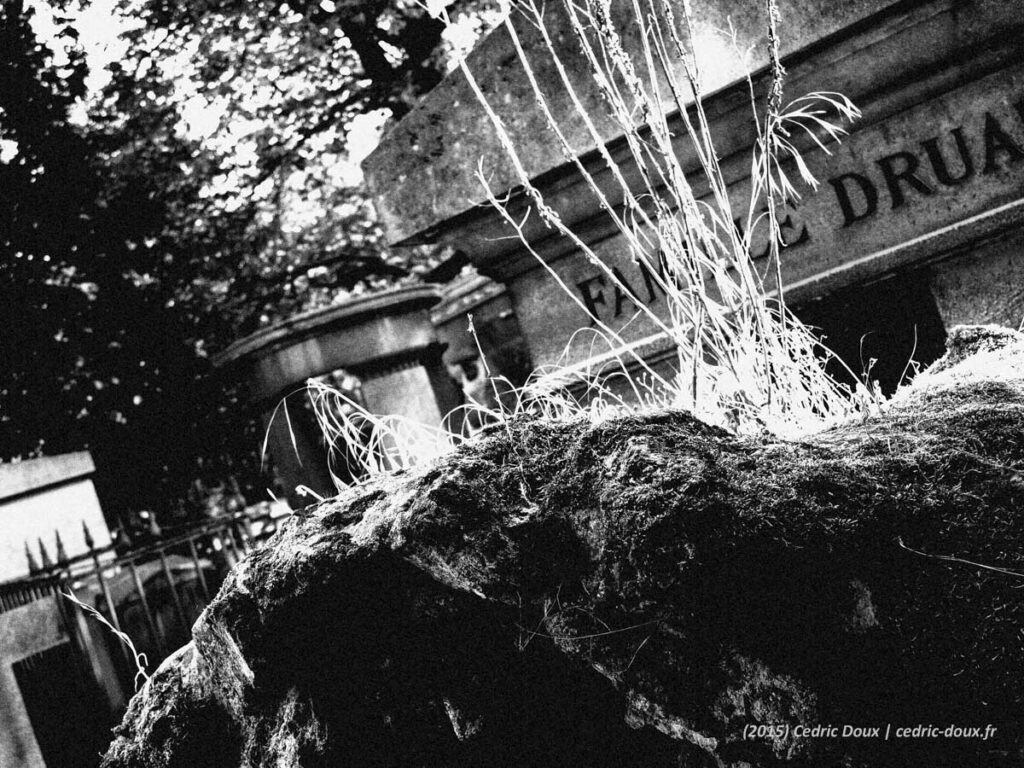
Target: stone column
point(409, 389)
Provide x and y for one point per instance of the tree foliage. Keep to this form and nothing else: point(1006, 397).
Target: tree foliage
point(96, 352)
point(274, 91)
point(132, 243)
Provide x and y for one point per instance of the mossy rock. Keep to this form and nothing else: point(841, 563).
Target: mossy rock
point(647, 591)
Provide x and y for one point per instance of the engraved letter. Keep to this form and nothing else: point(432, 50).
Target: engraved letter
point(931, 146)
point(907, 175)
point(998, 140)
point(623, 291)
point(867, 190)
point(591, 300)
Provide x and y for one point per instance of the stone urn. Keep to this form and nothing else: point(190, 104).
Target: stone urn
point(385, 340)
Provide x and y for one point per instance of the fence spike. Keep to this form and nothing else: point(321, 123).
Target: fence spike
point(62, 553)
point(90, 543)
point(33, 566)
point(44, 556)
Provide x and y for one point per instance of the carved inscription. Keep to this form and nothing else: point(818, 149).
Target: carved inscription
point(951, 160)
point(887, 183)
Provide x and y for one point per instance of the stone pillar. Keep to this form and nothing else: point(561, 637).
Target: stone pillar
point(496, 343)
point(406, 390)
point(984, 285)
point(45, 498)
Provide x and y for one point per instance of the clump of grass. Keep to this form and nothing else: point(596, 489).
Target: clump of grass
point(362, 444)
point(741, 359)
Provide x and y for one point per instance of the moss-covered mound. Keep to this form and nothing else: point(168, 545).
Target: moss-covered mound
point(644, 592)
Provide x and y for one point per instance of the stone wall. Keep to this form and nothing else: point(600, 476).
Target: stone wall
point(41, 496)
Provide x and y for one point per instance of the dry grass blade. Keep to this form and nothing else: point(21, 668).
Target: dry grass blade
point(139, 658)
point(744, 361)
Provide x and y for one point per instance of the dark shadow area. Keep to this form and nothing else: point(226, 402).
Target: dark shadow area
point(402, 672)
point(879, 328)
point(68, 712)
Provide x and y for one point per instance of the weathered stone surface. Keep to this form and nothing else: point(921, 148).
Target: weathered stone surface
point(985, 285)
point(634, 593)
point(827, 250)
point(424, 170)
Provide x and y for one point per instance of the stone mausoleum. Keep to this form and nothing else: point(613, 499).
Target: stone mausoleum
point(916, 225)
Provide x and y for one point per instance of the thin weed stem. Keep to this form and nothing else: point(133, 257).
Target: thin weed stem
point(139, 658)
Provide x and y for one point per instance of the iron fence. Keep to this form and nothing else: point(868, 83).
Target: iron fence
point(152, 593)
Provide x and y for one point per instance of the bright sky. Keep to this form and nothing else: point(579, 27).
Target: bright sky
point(100, 26)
